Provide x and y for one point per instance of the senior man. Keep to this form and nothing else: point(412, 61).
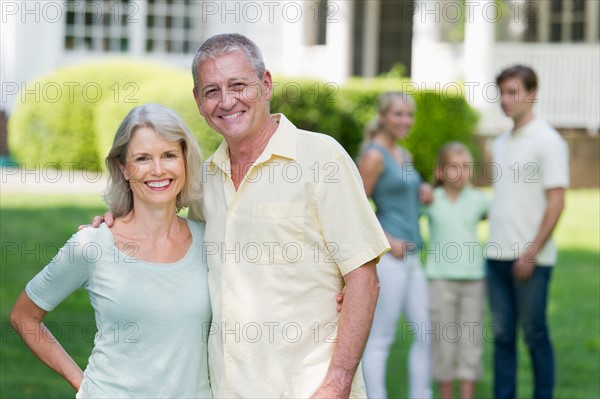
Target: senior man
point(288, 224)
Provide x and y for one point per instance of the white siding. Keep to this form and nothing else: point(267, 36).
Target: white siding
point(569, 80)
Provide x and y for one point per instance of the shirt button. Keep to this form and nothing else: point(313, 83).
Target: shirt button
point(232, 214)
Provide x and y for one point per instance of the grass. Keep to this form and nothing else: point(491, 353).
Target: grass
point(33, 228)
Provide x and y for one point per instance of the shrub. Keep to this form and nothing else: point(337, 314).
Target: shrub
point(58, 126)
point(312, 105)
point(438, 120)
point(78, 126)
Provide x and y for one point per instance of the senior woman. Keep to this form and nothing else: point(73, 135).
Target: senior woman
point(145, 276)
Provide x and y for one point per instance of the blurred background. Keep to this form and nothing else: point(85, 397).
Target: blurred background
point(71, 69)
point(447, 46)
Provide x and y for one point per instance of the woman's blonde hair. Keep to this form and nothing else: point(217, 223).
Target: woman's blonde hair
point(168, 125)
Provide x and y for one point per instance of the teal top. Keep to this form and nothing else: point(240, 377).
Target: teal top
point(396, 196)
point(152, 319)
point(454, 251)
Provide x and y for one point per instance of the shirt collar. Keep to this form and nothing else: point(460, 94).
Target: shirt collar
point(528, 128)
point(283, 141)
point(282, 144)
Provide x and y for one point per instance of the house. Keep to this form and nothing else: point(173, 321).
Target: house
point(444, 45)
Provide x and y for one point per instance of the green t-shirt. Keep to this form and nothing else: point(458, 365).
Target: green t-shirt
point(454, 251)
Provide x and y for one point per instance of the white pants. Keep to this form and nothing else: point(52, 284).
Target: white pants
point(403, 291)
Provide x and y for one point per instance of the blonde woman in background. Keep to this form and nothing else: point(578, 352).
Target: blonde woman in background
point(392, 182)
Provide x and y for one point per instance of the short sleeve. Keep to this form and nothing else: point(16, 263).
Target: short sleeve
point(67, 272)
point(554, 163)
point(347, 219)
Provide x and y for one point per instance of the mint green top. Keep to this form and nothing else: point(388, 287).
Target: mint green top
point(152, 318)
point(454, 251)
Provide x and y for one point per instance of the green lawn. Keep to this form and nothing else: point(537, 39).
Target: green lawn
point(33, 228)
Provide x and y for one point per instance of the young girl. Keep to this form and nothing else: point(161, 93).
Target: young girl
point(455, 268)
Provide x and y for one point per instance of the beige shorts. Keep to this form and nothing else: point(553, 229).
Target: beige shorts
point(457, 319)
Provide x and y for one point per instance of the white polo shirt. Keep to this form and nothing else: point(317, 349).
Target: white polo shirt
point(526, 163)
point(277, 250)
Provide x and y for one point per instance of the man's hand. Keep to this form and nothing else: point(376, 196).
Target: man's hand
point(524, 266)
point(97, 221)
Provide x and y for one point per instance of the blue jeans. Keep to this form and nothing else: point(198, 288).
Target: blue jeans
point(512, 301)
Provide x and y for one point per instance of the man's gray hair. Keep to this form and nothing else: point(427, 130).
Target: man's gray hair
point(218, 45)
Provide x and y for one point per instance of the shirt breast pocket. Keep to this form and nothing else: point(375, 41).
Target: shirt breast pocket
point(278, 232)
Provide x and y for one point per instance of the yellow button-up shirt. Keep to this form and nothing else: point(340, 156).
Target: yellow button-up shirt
point(277, 249)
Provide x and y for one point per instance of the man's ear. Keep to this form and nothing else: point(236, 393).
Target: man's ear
point(267, 82)
point(198, 100)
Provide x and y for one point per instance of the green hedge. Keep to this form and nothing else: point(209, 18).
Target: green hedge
point(79, 126)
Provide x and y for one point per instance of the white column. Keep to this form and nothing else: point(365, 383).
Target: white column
point(137, 29)
point(434, 63)
point(480, 19)
point(8, 56)
point(32, 35)
point(370, 52)
point(339, 42)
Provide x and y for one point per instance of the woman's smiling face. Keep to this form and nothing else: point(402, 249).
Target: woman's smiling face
point(155, 168)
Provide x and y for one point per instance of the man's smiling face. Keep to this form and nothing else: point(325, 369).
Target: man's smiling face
point(231, 97)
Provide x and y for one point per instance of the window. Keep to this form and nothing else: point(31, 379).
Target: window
point(156, 26)
point(555, 32)
point(97, 25)
point(168, 27)
point(556, 20)
point(557, 6)
point(563, 21)
point(578, 21)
